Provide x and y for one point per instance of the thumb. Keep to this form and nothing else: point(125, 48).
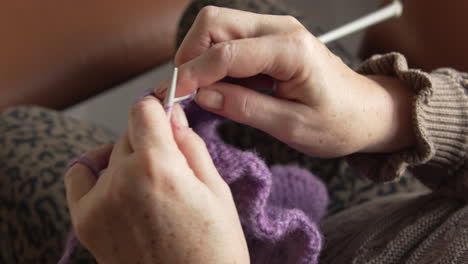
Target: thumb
point(83, 172)
point(196, 153)
point(265, 112)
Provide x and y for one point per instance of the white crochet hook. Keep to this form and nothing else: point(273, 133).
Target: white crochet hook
point(170, 96)
point(395, 9)
point(170, 99)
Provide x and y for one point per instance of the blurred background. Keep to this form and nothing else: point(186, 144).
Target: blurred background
point(110, 108)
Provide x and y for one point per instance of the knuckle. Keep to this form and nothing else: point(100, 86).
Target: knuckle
point(197, 141)
point(145, 159)
point(291, 20)
point(145, 108)
point(161, 172)
point(293, 135)
point(138, 108)
point(163, 169)
point(166, 178)
point(208, 14)
point(115, 193)
point(223, 52)
point(246, 109)
point(295, 132)
point(302, 39)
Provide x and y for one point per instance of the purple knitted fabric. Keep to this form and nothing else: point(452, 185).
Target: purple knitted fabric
point(278, 207)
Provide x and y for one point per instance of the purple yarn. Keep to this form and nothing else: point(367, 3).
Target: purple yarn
point(168, 108)
point(86, 162)
point(70, 245)
point(278, 207)
point(72, 241)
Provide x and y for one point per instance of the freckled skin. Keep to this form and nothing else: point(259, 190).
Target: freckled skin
point(165, 201)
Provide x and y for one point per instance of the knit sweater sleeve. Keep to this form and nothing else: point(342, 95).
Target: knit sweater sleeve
point(440, 121)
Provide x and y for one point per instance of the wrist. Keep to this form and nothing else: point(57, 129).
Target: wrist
point(389, 119)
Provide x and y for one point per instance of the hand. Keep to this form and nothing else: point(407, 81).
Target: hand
point(160, 200)
point(320, 106)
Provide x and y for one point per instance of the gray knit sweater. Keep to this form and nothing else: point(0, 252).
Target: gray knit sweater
point(413, 228)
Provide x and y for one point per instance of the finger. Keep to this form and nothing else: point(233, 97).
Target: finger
point(215, 24)
point(81, 178)
point(121, 150)
point(195, 152)
point(259, 82)
point(276, 56)
point(148, 126)
point(265, 112)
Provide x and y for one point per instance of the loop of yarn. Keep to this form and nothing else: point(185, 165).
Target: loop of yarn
point(72, 240)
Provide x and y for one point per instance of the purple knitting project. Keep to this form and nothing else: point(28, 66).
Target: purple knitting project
point(278, 207)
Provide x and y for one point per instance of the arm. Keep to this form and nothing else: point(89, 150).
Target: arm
point(320, 106)
point(440, 122)
point(86, 46)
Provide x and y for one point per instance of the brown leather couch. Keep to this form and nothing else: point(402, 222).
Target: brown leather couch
point(55, 53)
point(431, 34)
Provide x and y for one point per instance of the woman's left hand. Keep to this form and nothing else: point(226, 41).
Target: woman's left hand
point(160, 200)
point(318, 106)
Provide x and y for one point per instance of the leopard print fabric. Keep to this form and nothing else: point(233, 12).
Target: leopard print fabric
point(36, 145)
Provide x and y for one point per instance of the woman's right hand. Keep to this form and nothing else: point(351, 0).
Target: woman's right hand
point(160, 199)
point(320, 106)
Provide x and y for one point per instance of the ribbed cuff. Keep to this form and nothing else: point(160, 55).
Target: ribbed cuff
point(439, 119)
point(445, 118)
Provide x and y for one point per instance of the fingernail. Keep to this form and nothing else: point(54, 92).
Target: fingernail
point(178, 116)
point(210, 98)
point(160, 92)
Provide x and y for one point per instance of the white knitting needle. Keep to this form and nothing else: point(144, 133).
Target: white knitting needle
point(394, 9)
point(182, 98)
point(170, 96)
